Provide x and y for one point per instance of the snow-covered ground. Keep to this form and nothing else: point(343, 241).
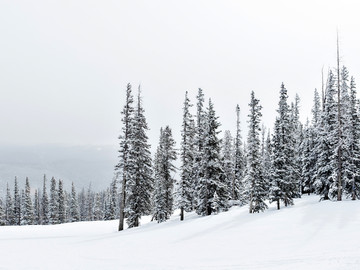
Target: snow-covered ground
point(309, 235)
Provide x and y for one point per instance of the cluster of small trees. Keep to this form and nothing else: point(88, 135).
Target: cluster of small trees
point(322, 157)
point(56, 206)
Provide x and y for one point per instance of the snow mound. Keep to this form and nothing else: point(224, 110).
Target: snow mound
point(309, 235)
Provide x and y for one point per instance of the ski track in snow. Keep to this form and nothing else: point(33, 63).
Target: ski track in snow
point(308, 235)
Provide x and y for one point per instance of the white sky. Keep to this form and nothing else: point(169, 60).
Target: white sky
point(64, 65)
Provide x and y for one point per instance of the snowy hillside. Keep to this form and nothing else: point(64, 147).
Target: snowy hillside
point(309, 235)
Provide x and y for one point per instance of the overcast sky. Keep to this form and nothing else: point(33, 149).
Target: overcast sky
point(64, 65)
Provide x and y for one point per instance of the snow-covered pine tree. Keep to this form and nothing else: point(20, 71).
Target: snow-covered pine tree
point(139, 185)
point(159, 209)
point(185, 185)
point(37, 211)
point(61, 203)
point(164, 182)
point(53, 204)
point(113, 194)
point(2, 213)
point(198, 146)
point(297, 134)
point(9, 207)
point(45, 205)
point(239, 164)
point(309, 170)
point(17, 204)
point(212, 177)
point(327, 159)
point(90, 200)
point(125, 137)
point(227, 160)
point(82, 205)
point(74, 205)
point(352, 141)
point(283, 187)
point(306, 151)
point(28, 210)
point(98, 213)
point(255, 185)
point(267, 167)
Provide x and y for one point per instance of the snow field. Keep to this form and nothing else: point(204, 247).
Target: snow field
point(309, 235)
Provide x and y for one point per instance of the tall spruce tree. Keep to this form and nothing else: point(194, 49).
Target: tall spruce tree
point(45, 205)
point(199, 140)
point(185, 194)
point(37, 208)
point(227, 159)
point(255, 185)
point(9, 207)
point(61, 203)
point(113, 194)
point(28, 211)
point(212, 177)
point(74, 205)
point(283, 187)
point(139, 185)
point(125, 141)
point(164, 182)
point(17, 204)
point(2, 213)
point(53, 204)
point(239, 164)
point(326, 166)
point(352, 141)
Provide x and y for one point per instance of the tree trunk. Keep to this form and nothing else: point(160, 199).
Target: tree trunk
point(182, 213)
point(122, 205)
point(278, 204)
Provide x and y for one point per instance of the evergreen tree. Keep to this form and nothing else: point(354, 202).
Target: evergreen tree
point(198, 146)
point(125, 145)
point(212, 176)
point(61, 204)
point(74, 205)
point(267, 167)
point(326, 173)
point(17, 204)
point(255, 189)
point(139, 185)
point(352, 141)
point(239, 164)
point(28, 214)
point(90, 197)
point(185, 191)
point(37, 211)
point(83, 206)
point(283, 187)
point(113, 194)
point(98, 213)
point(313, 142)
point(9, 208)
point(45, 214)
point(297, 138)
point(164, 182)
point(227, 160)
point(306, 150)
point(53, 205)
point(2, 214)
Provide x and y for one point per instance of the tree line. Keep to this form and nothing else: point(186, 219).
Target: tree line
point(56, 205)
point(321, 156)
